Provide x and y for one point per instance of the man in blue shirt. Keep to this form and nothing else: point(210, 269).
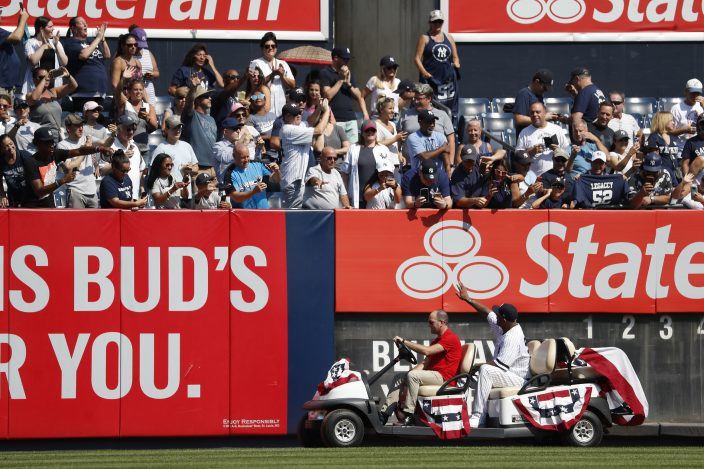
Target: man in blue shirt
point(589, 96)
point(541, 83)
point(426, 144)
point(466, 180)
point(247, 179)
point(426, 187)
point(116, 187)
point(9, 61)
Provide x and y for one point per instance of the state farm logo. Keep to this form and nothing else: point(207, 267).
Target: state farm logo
point(532, 11)
point(451, 248)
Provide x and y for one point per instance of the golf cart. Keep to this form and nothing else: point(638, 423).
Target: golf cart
point(342, 415)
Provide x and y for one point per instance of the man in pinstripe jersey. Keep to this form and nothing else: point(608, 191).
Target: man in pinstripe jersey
point(510, 365)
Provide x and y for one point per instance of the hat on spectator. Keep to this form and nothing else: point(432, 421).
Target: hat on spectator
point(342, 52)
point(291, 109)
point(203, 178)
point(236, 107)
point(231, 123)
point(388, 61)
point(425, 115)
point(428, 169)
point(469, 153)
point(558, 181)
point(621, 135)
point(522, 157)
point(297, 94)
point(19, 102)
point(126, 120)
point(652, 162)
point(44, 134)
point(384, 164)
point(202, 92)
point(73, 119)
point(181, 92)
point(506, 311)
point(141, 36)
point(599, 156)
point(368, 124)
point(694, 86)
point(405, 85)
point(560, 153)
point(544, 76)
point(173, 121)
point(436, 15)
point(91, 106)
point(579, 71)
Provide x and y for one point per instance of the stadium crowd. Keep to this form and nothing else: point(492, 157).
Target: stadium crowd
point(78, 131)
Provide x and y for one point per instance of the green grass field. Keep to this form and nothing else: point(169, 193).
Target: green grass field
point(387, 457)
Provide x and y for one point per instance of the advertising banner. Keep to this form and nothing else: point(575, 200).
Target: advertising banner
point(187, 19)
point(541, 261)
point(574, 20)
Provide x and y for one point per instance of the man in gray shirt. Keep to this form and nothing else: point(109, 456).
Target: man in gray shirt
point(199, 128)
point(324, 187)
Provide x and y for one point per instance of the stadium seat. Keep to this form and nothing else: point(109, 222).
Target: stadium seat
point(559, 105)
point(474, 107)
point(499, 103)
point(665, 104)
point(468, 355)
point(643, 106)
point(500, 125)
point(161, 104)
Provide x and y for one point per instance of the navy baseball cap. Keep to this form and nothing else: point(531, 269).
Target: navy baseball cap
point(428, 169)
point(506, 311)
point(291, 109)
point(405, 85)
point(342, 52)
point(621, 135)
point(231, 123)
point(44, 134)
point(427, 116)
point(652, 162)
point(388, 61)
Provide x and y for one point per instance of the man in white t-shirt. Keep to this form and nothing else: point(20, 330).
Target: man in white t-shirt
point(685, 113)
point(324, 187)
point(126, 126)
point(82, 191)
point(534, 139)
point(22, 130)
point(622, 121)
point(181, 153)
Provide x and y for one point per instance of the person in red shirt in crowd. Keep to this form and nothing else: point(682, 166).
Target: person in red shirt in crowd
point(442, 360)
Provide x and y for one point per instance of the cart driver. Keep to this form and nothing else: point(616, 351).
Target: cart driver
point(510, 366)
point(442, 359)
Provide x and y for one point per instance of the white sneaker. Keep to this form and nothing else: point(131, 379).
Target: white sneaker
point(474, 421)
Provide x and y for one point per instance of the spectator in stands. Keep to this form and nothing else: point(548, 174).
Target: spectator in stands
point(406, 91)
point(385, 191)
point(474, 138)
point(276, 73)
point(388, 135)
point(43, 50)
point(177, 105)
point(225, 100)
point(690, 192)
point(558, 170)
point(6, 120)
point(341, 91)
point(256, 87)
point(248, 135)
point(426, 187)
point(147, 60)
point(595, 188)
point(22, 130)
point(125, 67)
point(438, 62)
point(86, 62)
point(662, 140)
point(540, 84)
point(40, 169)
point(524, 184)
point(600, 126)
point(325, 189)
point(589, 96)
point(651, 185)
point(296, 141)
point(427, 144)
point(622, 156)
point(466, 180)
point(116, 188)
point(554, 197)
point(166, 191)
point(99, 134)
point(334, 137)
point(584, 144)
point(9, 61)
point(12, 173)
point(206, 196)
point(685, 113)
point(410, 124)
point(45, 102)
point(185, 162)
point(135, 104)
point(359, 167)
point(496, 186)
point(247, 179)
point(541, 139)
point(199, 127)
point(383, 84)
point(261, 118)
point(126, 127)
point(82, 191)
point(197, 63)
point(224, 149)
point(314, 94)
point(622, 121)
point(694, 149)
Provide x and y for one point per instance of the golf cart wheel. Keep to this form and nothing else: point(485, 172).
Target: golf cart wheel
point(309, 437)
point(587, 432)
point(342, 428)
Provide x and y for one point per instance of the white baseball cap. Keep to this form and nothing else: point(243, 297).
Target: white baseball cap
point(694, 86)
point(599, 156)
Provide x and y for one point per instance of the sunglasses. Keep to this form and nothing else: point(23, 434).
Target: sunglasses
point(176, 127)
point(5, 106)
point(616, 103)
point(254, 97)
point(232, 77)
point(370, 130)
point(269, 46)
point(131, 44)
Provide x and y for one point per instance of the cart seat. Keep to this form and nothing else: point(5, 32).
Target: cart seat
point(541, 362)
point(466, 362)
point(561, 374)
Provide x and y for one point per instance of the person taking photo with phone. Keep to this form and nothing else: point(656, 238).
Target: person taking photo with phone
point(248, 179)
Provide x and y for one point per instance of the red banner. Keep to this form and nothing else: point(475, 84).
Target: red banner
point(4, 325)
point(574, 20)
point(207, 19)
point(541, 261)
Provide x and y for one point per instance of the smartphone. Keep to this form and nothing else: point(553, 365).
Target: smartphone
point(694, 189)
point(142, 109)
point(143, 194)
point(425, 192)
point(223, 197)
point(187, 179)
point(57, 72)
point(547, 141)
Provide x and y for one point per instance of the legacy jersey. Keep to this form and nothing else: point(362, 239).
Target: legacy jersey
point(591, 191)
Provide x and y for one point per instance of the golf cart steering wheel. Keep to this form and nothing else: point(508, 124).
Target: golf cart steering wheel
point(405, 353)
